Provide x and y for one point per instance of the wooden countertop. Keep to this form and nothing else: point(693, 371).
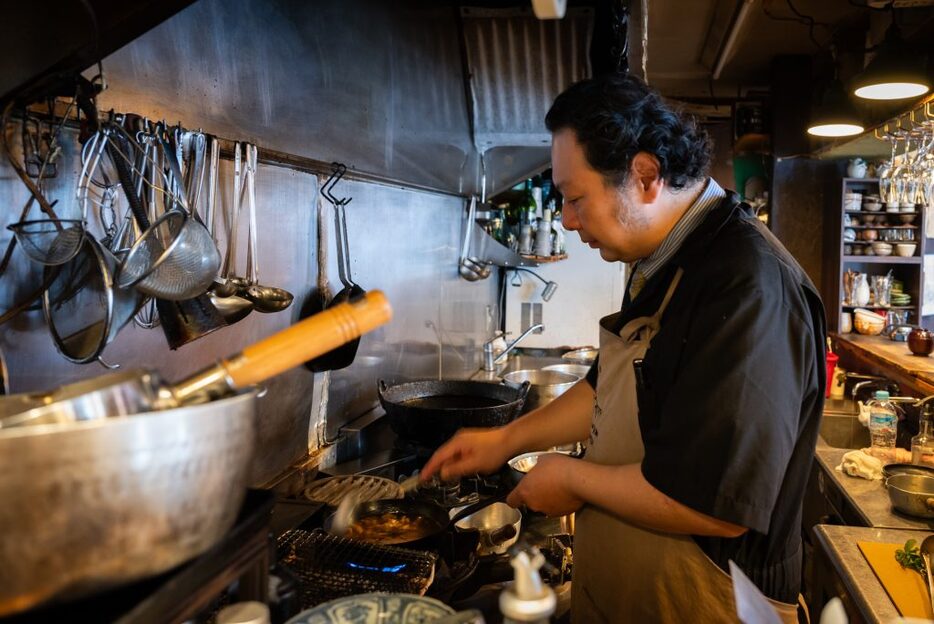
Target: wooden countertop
point(889, 358)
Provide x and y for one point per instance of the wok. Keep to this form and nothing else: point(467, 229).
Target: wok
point(100, 501)
point(94, 504)
point(430, 412)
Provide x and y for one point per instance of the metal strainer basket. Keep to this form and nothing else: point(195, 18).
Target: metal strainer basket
point(174, 259)
point(48, 241)
point(82, 306)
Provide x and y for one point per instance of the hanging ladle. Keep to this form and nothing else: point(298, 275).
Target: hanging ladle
point(224, 292)
point(264, 298)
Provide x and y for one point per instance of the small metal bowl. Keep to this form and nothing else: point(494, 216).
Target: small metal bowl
point(585, 355)
point(578, 370)
point(912, 494)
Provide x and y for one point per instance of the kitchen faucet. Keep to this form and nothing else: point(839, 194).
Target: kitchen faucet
point(490, 362)
point(881, 381)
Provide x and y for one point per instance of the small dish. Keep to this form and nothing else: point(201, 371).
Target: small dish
point(872, 206)
point(906, 217)
point(868, 323)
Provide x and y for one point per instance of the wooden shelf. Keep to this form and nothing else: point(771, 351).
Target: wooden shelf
point(883, 259)
point(871, 306)
point(544, 259)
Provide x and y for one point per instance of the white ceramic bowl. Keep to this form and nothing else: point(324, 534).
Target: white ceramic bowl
point(905, 250)
point(882, 249)
point(868, 323)
point(872, 206)
point(906, 207)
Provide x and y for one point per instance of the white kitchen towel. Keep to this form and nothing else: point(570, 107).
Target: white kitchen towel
point(861, 464)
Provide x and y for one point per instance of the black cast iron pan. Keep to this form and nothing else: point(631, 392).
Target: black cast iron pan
point(429, 412)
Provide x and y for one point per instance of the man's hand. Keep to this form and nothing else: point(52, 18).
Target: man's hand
point(547, 487)
point(469, 452)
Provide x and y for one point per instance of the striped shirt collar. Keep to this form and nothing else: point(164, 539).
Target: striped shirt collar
point(644, 269)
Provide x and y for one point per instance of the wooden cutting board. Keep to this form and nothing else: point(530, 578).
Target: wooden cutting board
point(907, 589)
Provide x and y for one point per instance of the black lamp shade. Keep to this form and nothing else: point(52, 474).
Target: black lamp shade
point(835, 115)
point(895, 73)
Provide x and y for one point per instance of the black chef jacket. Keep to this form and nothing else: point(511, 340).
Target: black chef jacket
point(732, 391)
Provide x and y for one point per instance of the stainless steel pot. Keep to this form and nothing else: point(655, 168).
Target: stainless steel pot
point(90, 505)
point(912, 494)
point(546, 386)
point(578, 370)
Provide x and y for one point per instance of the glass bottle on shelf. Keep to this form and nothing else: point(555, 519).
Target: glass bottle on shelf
point(922, 445)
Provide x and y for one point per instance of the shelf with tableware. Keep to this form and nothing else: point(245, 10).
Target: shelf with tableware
point(880, 258)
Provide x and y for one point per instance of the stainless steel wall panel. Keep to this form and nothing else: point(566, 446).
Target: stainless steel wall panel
point(378, 85)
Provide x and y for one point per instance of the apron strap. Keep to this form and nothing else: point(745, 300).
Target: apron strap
point(671, 291)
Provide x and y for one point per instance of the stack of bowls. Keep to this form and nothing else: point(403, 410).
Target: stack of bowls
point(852, 201)
point(882, 249)
point(868, 323)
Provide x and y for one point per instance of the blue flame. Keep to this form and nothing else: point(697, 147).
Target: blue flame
point(390, 569)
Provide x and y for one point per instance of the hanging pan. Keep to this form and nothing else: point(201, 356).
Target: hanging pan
point(343, 356)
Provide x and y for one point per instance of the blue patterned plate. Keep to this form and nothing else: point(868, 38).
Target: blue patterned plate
point(375, 608)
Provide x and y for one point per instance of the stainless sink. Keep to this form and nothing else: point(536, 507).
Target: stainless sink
point(840, 427)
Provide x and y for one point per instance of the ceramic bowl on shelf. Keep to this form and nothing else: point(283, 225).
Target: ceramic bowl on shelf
point(872, 206)
point(868, 323)
point(870, 218)
point(882, 249)
point(857, 250)
point(906, 217)
point(892, 207)
point(849, 234)
point(905, 250)
point(906, 207)
point(869, 235)
point(848, 250)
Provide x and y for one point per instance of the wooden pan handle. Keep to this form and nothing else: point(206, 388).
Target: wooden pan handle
point(308, 339)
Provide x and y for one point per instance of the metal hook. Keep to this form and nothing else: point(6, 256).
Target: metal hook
point(101, 361)
point(338, 172)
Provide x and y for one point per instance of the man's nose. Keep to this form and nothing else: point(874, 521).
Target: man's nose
point(569, 218)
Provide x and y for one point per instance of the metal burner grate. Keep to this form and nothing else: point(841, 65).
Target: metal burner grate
point(329, 567)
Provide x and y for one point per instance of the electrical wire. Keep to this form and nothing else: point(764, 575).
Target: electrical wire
point(799, 18)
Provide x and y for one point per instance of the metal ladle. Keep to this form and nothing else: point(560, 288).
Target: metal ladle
point(927, 553)
point(264, 298)
point(469, 268)
point(224, 292)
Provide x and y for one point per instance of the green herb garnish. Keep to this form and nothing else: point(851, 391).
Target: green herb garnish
point(910, 557)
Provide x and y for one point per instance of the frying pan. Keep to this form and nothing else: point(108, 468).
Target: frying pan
point(343, 356)
point(431, 411)
point(128, 393)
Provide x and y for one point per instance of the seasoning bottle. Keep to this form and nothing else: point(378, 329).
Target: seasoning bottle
point(527, 599)
point(883, 427)
point(543, 235)
point(922, 445)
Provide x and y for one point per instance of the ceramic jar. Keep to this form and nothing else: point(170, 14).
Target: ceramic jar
point(856, 168)
point(921, 341)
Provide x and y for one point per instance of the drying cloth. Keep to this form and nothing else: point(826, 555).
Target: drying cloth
point(860, 464)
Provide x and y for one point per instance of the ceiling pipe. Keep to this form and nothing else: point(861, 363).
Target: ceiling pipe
point(732, 35)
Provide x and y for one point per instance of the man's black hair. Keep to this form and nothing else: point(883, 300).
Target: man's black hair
point(617, 115)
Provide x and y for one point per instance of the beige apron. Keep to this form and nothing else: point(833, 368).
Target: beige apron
point(623, 573)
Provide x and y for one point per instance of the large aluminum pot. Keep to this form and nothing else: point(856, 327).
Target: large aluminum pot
point(546, 385)
point(95, 504)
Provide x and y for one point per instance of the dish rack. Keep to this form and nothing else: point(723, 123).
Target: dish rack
point(328, 566)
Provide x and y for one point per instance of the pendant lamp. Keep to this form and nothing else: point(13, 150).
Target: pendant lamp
point(835, 115)
point(895, 73)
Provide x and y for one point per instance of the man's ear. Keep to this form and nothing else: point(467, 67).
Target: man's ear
point(647, 175)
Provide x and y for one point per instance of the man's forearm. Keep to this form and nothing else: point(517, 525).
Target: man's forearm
point(563, 421)
point(624, 491)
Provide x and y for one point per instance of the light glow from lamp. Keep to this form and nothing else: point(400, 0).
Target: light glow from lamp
point(891, 90)
point(835, 130)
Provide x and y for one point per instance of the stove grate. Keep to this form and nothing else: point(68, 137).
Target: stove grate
point(328, 566)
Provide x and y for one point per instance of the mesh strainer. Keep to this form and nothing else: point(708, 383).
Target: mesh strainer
point(82, 307)
point(175, 258)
